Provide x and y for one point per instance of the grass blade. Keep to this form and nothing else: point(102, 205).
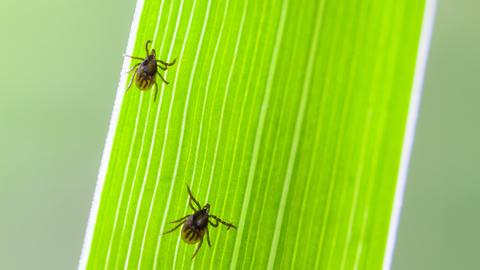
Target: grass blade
point(287, 117)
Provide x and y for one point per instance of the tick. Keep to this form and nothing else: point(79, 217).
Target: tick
point(196, 225)
point(147, 70)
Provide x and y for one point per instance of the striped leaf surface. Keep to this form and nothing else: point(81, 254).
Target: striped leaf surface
point(288, 117)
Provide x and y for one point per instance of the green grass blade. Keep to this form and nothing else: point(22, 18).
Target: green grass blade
point(288, 117)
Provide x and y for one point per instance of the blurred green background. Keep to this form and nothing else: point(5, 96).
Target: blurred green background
point(440, 222)
point(60, 64)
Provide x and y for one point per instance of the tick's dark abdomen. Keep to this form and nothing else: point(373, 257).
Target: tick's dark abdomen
point(146, 73)
point(194, 227)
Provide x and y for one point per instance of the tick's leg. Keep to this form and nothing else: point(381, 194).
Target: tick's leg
point(213, 224)
point(229, 225)
point(167, 64)
point(162, 67)
point(193, 206)
point(135, 66)
point(156, 90)
point(131, 80)
point(180, 220)
point(193, 199)
point(161, 77)
point(134, 57)
point(174, 228)
point(208, 239)
point(146, 47)
point(198, 247)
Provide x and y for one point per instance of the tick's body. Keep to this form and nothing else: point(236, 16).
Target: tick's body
point(195, 226)
point(145, 74)
point(147, 70)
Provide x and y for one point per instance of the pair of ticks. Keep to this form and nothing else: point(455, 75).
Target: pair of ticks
point(195, 225)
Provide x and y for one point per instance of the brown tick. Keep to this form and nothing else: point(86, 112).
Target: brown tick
point(195, 226)
point(146, 71)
